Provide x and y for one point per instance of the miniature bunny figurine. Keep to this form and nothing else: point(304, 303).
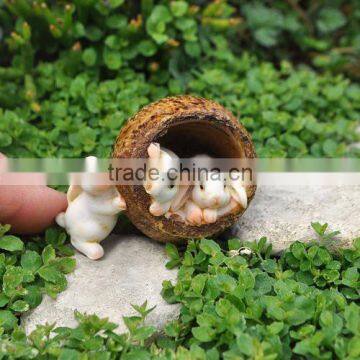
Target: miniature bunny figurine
point(211, 194)
point(237, 193)
point(216, 194)
point(91, 214)
point(162, 189)
point(198, 203)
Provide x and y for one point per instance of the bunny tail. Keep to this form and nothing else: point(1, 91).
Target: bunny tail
point(60, 220)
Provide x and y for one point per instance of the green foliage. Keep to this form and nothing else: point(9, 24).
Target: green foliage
point(289, 112)
point(29, 269)
point(324, 33)
point(243, 300)
point(114, 33)
point(73, 73)
point(238, 301)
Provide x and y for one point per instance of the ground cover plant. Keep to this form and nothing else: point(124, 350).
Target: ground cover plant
point(238, 301)
point(72, 73)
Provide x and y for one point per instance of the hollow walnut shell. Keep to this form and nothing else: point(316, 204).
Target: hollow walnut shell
point(187, 125)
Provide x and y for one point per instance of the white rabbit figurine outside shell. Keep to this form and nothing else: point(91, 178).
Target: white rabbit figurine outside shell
point(91, 214)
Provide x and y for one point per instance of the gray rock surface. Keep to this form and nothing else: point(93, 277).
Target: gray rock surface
point(133, 267)
point(284, 214)
point(131, 272)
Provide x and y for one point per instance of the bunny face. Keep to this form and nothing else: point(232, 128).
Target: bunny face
point(211, 191)
point(162, 190)
point(164, 186)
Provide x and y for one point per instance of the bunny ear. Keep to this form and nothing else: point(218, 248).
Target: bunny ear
point(238, 192)
point(73, 192)
point(91, 164)
point(154, 150)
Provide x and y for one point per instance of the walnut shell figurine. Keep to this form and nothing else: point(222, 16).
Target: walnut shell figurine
point(188, 126)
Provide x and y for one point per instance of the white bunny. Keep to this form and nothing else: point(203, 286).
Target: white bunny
point(165, 185)
point(211, 194)
point(216, 193)
point(183, 207)
point(91, 214)
point(237, 192)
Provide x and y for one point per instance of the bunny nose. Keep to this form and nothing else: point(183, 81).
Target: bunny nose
point(216, 201)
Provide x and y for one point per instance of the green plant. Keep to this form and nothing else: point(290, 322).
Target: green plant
point(73, 73)
point(264, 307)
point(29, 269)
point(237, 300)
point(323, 33)
point(289, 112)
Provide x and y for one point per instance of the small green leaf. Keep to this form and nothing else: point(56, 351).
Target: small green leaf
point(267, 36)
point(31, 261)
point(112, 59)
point(179, 8)
point(20, 306)
point(5, 140)
point(330, 147)
point(52, 274)
point(320, 229)
point(69, 354)
point(89, 56)
point(203, 333)
point(143, 333)
point(3, 299)
point(4, 229)
point(66, 265)
point(33, 296)
point(12, 280)
point(116, 3)
point(269, 265)
point(48, 254)
point(298, 250)
point(330, 19)
point(147, 48)
point(11, 243)
point(172, 251)
point(209, 247)
point(7, 319)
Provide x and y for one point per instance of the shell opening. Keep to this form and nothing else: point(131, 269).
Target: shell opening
point(189, 138)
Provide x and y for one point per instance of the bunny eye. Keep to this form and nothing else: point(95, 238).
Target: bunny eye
point(202, 187)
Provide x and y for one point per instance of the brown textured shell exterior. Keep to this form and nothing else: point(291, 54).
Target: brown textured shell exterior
point(145, 127)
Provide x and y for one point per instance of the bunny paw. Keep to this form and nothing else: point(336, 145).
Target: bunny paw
point(195, 217)
point(158, 209)
point(119, 203)
point(92, 250)
point(210, 216)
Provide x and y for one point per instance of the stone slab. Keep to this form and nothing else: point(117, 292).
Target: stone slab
point(284, 213)
point(134, 266)
point(131, 272)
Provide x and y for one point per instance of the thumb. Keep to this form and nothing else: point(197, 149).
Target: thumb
point(28, 209)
